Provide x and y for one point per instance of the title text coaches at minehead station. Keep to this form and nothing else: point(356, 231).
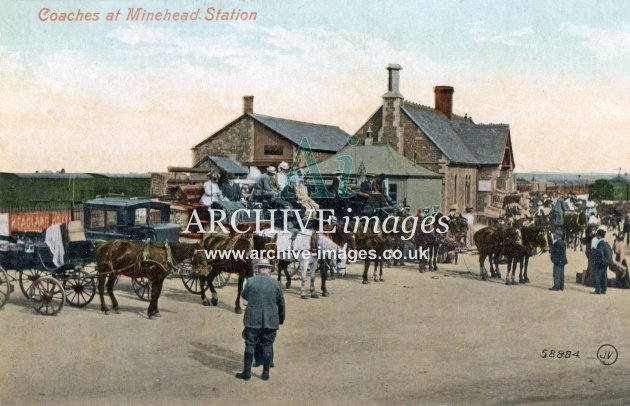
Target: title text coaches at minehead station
point(142, 14)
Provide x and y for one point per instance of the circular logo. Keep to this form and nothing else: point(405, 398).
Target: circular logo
point(607, 354)
point(353, 140)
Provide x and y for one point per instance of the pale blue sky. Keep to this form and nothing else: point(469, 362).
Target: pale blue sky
point(550, 69)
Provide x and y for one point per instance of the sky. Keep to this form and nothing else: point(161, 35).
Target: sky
point(130, 96)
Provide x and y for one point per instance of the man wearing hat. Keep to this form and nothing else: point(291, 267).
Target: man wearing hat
point(558, 254)
point(601, 256)
point(264, 188)
point(264, 313)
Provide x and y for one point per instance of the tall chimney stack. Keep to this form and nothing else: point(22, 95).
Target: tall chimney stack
point(248, 104)
point(393, 84)
point(444, 100)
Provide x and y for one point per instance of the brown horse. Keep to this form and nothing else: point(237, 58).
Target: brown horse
point(138, 260)
point(231, 254)
point(490, 242)
point(518, 246)
point(574, 227)
point(374, 243)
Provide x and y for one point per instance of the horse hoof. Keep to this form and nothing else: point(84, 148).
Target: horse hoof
point(381, 280)
point(324, 293)
point(366, 282)
point(116, 311)
point(157, 314)
point(507, 282)
point(375, 280)
point(304, 296)
point(105, 312)
point(214, 302)
point(205, 302)
point(238, 310)
point(288, 284)
point(526, 280)
point(314, 295)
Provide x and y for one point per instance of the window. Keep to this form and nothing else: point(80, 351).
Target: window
point(273, 150)
point(467, 191)
point(102, 218)
point(393, 192)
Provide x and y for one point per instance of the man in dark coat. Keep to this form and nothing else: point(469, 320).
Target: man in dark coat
point(558, 254)
point(265, 312)
point(602, 257)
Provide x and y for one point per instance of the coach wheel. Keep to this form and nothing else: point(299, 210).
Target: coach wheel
point(46, 296)
point(221, 280)
point(80, 289)
point(5, 287)
point(141, 287)
point(192, 283)
point(27, 278)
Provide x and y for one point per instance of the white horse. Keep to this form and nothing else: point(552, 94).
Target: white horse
point(307, 247)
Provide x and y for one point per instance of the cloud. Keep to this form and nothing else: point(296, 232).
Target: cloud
point(516, 38)
point(606, 44)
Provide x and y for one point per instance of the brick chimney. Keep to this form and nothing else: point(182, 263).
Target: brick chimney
point(444, 100)
point(390, 131)
point(248, 104)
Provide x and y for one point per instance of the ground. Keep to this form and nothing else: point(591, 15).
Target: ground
point(442, 337)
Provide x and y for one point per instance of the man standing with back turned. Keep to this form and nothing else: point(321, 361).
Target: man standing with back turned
point(558, 254)
point(265, 312)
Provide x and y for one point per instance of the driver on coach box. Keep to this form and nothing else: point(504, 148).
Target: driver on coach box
point(264, 188)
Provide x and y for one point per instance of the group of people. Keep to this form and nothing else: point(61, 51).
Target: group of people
point(600, 257)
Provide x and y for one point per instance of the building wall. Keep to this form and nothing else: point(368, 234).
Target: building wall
point(419, 148)
point(374, 124)
point(460, 188)
point(234, 141)
point(264, 137)
point(422, 193)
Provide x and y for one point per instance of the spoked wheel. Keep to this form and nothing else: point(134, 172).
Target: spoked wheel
point(80, 289)
point(5, 287)
point(27, 278)
point(47, 296)
point(191, 281)
point(221, 280)
point(141, 287)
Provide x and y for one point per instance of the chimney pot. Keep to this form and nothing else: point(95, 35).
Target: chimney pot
point(248, 104)
point(444, 100)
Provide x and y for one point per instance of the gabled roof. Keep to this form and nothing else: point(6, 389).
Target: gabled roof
point(226, 164)
point(374, 159)
point(461, 140)
point(321, 137)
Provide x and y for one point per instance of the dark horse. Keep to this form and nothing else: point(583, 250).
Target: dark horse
point(518, 246)
point(574, 227)
point(374, 243)
point(489, 242)
point(138, 260)
point(232, 255)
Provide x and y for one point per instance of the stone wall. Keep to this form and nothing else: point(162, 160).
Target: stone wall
point(233, 141)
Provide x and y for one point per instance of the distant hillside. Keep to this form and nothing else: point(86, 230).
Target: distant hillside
point(569, 177)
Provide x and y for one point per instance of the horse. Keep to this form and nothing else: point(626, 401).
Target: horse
point(453, 239)
point(305, 247)
point(489, 242)
point(374, 243)
point(574, 227)
point(519, 245)
point(431, 241)
point(229, 254)
point(138, 260)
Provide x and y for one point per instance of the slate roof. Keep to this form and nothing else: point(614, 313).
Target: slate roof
point(377, 159)
point(226, 164)
point(461, 140)
point(321, 137)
